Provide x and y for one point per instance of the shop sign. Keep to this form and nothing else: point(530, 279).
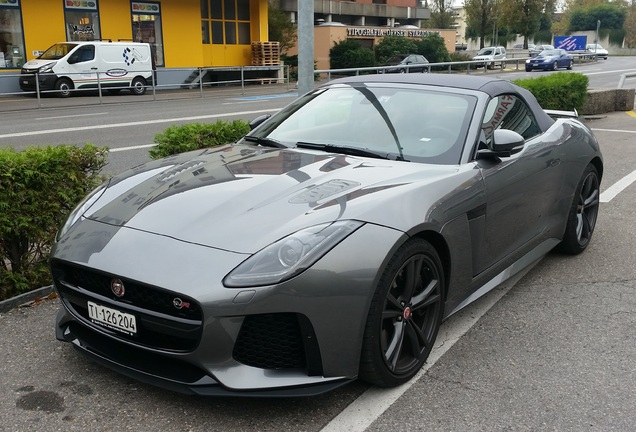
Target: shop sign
point(145, 8)
point(9, 3)
point(380, 32)
point(82, 29)
point(83, 5)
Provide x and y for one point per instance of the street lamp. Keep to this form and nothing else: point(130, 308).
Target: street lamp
point(598, 25)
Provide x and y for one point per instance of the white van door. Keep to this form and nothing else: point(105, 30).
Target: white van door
point(82, 69)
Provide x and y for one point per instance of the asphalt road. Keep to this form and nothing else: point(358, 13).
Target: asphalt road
point(553, 352)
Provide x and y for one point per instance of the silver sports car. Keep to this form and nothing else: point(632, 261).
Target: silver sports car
point(330, 242)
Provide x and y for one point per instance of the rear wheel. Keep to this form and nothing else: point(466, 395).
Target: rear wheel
point(404, 317)
point(570, 64)
point(583, 213)
point(138, 86)
point(63, 86)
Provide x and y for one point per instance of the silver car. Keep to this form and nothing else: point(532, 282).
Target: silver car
point(328, 244)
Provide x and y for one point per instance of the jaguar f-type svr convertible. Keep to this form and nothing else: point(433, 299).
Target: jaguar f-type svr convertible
point(328, 244)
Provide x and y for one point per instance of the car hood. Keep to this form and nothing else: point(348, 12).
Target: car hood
point(241, 198)
point(484, 57)
point(36, 64)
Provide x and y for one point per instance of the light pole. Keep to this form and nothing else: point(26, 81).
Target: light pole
point(598, 25)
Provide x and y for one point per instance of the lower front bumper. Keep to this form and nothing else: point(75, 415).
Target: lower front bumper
point(164, 372)
point(46, 82)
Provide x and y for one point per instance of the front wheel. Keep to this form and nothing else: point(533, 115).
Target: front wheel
point(138, 86)
point(63, 87)
point(555, 66)
point(583, 213)
point(404, 317)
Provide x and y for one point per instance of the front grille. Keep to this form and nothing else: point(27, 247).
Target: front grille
point(160, 324)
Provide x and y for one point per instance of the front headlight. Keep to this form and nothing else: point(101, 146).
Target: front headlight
point(83, 206)
point(47, 68)
point(290, 255)
point(528, 61)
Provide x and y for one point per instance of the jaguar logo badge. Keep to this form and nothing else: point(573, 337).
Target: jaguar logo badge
point(180, 304)
point(117, 287)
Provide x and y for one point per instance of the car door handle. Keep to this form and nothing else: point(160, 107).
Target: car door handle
point(93, 68)
point(555, 162)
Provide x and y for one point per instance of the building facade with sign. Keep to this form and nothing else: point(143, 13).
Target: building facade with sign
point(182, 33)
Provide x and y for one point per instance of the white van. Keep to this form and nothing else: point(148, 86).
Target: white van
point(88, 65)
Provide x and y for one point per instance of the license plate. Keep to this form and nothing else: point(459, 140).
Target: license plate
point(112, 318)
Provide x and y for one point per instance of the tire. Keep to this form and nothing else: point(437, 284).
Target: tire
point(138, 86)
point(63, 87)
point(402, 70)
point(570, 65)
point(405, 314)
point(528, 69)
point(582, 214)
point(555, 66)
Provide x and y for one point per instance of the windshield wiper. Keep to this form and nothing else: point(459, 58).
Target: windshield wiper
point(267, 142)
point(354, 151)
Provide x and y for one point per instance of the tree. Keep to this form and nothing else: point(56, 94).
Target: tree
point(442, 15)
point(612, 16)
point(480, 18)
point(522, 16)
point(280, 29)
point(630, 26)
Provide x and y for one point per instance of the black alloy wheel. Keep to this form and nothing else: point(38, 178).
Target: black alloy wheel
point(583, 213)
point(405, 316)
point(555, 66)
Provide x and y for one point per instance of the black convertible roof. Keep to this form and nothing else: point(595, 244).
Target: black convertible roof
point(490, 85)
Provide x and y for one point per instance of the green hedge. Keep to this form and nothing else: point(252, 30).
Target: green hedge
point(39, 187)
point(193, 136)
point(559, 91)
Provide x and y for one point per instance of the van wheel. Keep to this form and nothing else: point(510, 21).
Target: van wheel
point(138, 86)
point(63, 86)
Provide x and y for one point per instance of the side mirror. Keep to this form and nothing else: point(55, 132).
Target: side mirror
point(73, 59)
point(504, 143)
point(258, 121)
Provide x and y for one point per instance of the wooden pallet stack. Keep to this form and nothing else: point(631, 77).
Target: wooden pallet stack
point(265, 53)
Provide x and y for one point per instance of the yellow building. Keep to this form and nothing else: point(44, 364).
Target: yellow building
point(182, 33)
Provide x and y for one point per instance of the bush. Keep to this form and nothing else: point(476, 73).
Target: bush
point(393, 45)
point(559, 91)
point(193, 136)
point(433, 48)
point(460, 56)
point(350, 54)
point(39, 187)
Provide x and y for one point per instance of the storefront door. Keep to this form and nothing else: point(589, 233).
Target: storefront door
point(146, 25)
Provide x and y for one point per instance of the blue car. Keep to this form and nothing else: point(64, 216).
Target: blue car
point(550, 60)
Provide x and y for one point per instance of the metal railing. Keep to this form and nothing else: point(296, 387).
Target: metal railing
point(196, 80)
point(624, 76)
point(471, 66)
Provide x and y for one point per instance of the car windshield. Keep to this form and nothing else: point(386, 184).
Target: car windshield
point(57, 51)
point(485, 51)
point(595, 46)
point(396, 59)
point(549, 53)
point(402, 122)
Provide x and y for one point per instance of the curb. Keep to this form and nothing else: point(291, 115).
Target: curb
point(25, 299)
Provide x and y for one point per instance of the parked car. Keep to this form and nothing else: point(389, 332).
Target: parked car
point(597, 49)
point(538, 48)
point(329, 243)
point(406, 63)
point(489, 55)
point(520, 46)
point(551, 59)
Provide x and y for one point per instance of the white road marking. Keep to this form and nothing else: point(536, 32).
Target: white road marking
point(69, 116)
point(137, 147)
point(613, 130)
point(138, 123)
point(618, 187)
point(375, 401)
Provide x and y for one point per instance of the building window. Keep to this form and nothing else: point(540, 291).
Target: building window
point(228, 21)
point(11, 36)
point(82, 20)
point(146, 27)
